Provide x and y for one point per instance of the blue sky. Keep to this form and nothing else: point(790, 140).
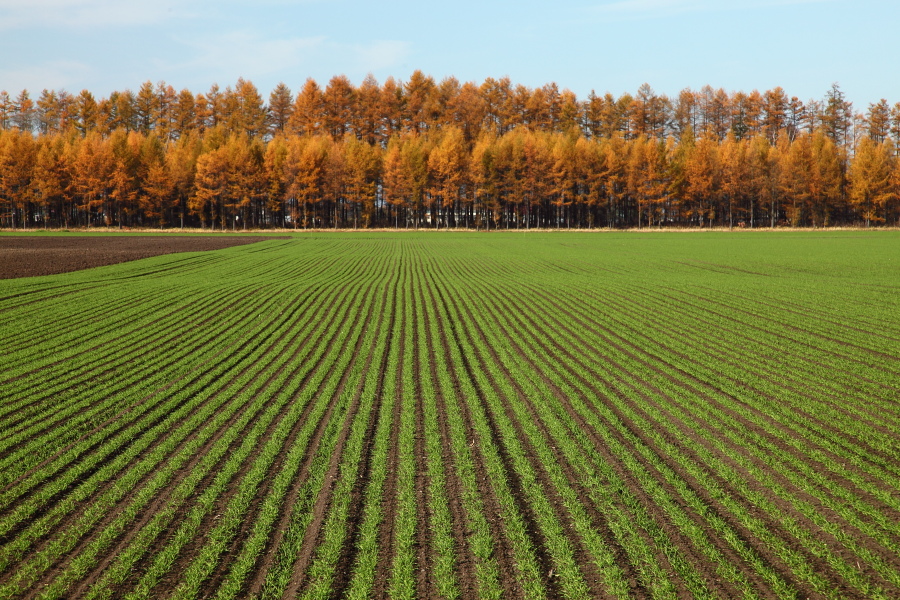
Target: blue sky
point(606, 45)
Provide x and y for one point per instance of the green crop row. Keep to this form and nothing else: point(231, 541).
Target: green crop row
point(448, 415)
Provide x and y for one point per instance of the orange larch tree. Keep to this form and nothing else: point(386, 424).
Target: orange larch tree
point(873, 181)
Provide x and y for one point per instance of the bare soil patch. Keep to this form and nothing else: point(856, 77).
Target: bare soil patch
point(29, 256)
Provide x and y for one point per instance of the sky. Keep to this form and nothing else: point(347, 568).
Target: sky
point(613, 46)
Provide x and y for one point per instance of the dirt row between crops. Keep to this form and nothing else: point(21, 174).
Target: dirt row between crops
point(190, 551)
point(163, 494)
point(675, 467)
point(132, 530)
point(513, 422)
point(836, 581)
point(30, 256)
point(582, 556)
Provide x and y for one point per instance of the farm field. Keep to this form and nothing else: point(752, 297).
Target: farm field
point(458, 415)
point(54, 253)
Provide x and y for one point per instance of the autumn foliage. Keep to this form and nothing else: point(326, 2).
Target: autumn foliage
point(433, 154)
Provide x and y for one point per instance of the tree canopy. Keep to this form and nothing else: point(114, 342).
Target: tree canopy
point(426, 153)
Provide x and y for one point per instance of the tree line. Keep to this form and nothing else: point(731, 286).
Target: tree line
point(423, 153)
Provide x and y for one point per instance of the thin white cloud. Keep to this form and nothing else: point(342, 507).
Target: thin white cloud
point(246, 53)
point(18, 14)
point(274, 2)
point(55, 75)
point(383, 54)
point(249, 54)
point(641, 9)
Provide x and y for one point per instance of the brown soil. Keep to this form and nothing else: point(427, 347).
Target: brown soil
point(387, 539)
point(219, 507)
point(804, 417)
point(837, 403)
point(512, 587)
point(599, 521)
point(684, 545)
point(163, 494)
point(661, 445)
point(763, 552)
point(28, 256)
point(225, 561)
point(355, 512)
point(278, 463)
point(465, 561)
point(581, 555)
point(322, 502)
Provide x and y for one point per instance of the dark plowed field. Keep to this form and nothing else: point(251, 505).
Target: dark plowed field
point(458, 416)
point(27, 256)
